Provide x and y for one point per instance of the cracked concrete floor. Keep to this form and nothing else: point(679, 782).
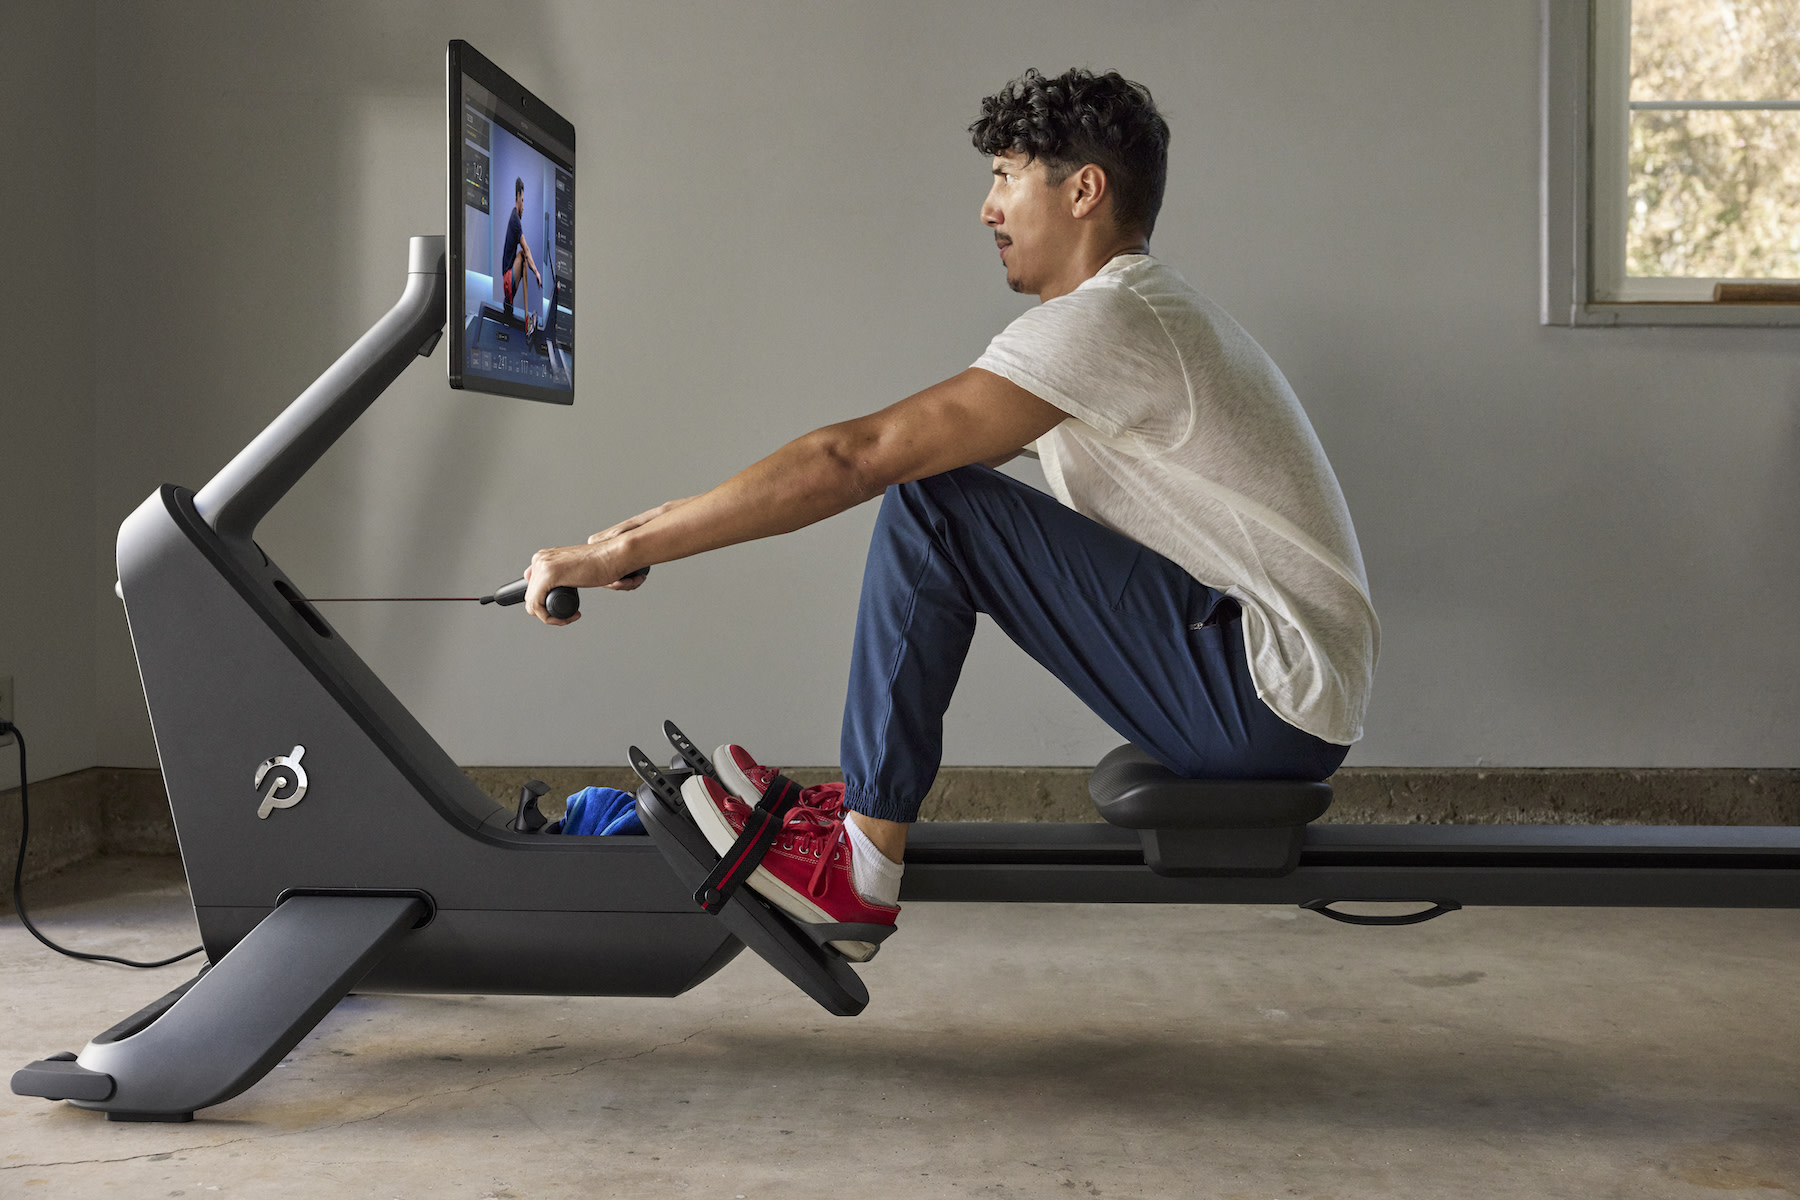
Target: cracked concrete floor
point(1010, 1051)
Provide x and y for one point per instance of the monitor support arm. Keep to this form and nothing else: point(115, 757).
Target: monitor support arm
point(241, 494)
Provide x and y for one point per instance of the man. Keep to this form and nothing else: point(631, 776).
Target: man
point(515, 252)
point(1195, 579)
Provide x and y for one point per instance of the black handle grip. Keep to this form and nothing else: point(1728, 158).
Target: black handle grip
point(562, 602)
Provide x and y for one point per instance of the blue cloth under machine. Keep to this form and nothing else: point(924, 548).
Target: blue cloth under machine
point(601, 812)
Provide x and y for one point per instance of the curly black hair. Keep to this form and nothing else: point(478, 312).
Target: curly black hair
point(1078, 118)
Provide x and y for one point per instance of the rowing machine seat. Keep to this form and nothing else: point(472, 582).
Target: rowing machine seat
point(1206, 826)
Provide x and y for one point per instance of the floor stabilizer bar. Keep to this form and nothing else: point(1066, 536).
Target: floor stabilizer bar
point(229, 1027)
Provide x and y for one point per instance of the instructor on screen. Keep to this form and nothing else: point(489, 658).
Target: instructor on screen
point(516, 254)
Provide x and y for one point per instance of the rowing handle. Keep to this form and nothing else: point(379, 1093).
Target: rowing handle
point(562, 602)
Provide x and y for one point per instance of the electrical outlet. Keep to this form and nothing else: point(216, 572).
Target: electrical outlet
point(6, 699)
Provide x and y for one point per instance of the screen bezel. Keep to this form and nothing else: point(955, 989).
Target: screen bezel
point(554, 134)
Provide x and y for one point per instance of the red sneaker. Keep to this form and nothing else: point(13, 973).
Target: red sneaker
point(748, 779)
point(806, 873)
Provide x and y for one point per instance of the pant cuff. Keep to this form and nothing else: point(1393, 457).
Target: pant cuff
point(866, 802)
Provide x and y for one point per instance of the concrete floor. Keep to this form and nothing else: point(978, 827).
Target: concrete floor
point(1025, 1051)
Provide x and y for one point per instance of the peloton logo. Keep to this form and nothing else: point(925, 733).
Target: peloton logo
point(287, 782)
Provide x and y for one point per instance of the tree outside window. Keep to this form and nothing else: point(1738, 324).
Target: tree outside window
point(1713, 171)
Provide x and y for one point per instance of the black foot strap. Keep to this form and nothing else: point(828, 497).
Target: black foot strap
point(752, 845)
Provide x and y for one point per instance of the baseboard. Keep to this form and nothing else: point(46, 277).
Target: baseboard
point(122, 810)
point(1363, 795)
point(74, 817)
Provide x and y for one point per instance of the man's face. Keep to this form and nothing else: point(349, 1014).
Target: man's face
point(519, 203)
point(1031, 222)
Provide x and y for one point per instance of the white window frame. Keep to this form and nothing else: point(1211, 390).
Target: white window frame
point(1586, 71)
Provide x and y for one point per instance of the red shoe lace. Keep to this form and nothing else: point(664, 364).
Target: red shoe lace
point(817, 831)
point(827, 797)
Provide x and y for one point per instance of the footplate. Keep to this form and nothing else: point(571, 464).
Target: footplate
point(796, 950)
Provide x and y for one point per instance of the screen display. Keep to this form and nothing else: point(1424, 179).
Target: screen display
point(512, 237)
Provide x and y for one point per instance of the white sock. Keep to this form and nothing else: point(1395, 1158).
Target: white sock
point(875, 876)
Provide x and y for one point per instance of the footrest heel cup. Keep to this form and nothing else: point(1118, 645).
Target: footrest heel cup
point(822, 934)
point(848, 931)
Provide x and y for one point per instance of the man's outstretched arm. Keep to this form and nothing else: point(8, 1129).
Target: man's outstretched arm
point(976, 416)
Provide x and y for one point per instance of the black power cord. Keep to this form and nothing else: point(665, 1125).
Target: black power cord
point(18, 896)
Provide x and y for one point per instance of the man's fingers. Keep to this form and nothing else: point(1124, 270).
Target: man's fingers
point(534, 592)
point(571, 566)
point(538, 587)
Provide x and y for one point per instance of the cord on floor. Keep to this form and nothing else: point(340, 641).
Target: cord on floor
point(18, 895)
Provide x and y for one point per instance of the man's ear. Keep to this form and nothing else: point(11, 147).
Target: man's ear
point(1086, 188)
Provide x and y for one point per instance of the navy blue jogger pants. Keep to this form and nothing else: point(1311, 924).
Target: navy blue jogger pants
point(1155, 654)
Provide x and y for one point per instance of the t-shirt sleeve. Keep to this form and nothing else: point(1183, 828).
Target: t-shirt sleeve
point(1099, 354)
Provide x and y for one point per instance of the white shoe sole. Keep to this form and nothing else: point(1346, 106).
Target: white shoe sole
point(735, 781)
point(718, 833)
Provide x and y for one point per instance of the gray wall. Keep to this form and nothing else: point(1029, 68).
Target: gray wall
point(1582, 543)
point(47, 512)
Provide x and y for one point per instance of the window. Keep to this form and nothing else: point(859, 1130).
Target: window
point(1671, 162)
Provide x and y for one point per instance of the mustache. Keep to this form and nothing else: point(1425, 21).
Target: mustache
point(1002, 241)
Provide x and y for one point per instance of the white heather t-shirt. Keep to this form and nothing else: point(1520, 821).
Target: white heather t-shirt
point(1184, 436)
